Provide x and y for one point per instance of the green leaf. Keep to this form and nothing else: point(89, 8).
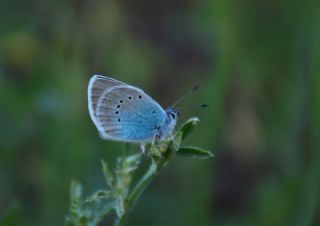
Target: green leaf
point(194, 152)
point(176, 142)
point(107, 208)
point(188, 127)
point(107, 174)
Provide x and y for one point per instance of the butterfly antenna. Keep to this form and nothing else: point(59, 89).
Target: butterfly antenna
point(183, 108)
point(195, 88)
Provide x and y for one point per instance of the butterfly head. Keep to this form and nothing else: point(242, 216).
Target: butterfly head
point(172, 117)
point(172, 114)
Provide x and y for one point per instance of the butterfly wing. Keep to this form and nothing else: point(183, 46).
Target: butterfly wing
point(97, 85)
point(123, 112)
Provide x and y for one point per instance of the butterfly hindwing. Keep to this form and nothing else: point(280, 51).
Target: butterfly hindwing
point(128, 114)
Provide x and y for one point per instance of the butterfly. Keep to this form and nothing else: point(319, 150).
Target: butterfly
point(122, 112)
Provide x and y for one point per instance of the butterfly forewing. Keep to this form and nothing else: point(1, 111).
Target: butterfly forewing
point(97, 85)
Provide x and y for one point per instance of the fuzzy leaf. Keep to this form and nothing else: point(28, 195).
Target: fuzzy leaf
point(101, 194)
point(107, 174)
point(119, 207)
point(131, 162)
point(75, 209)
point(123, 172)
point(76, 195)
point(194, 152)
point(188, 127)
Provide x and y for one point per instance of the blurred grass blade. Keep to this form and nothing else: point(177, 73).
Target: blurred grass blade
point(194, 152)
point(188, 127)
point(12, 216)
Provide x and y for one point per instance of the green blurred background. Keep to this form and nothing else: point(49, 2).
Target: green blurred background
point(258, 64)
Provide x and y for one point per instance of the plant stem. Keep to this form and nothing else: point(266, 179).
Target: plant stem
point(156, 166)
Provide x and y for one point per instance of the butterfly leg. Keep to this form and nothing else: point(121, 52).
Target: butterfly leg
point(143, 148)
point(156, 137)
point(156, 146)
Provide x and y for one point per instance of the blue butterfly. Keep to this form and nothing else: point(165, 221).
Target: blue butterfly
point(122, 112)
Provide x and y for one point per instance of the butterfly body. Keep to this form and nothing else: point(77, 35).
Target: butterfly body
point(125, 113)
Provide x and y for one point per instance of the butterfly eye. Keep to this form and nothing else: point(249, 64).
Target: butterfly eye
point(173, 115)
